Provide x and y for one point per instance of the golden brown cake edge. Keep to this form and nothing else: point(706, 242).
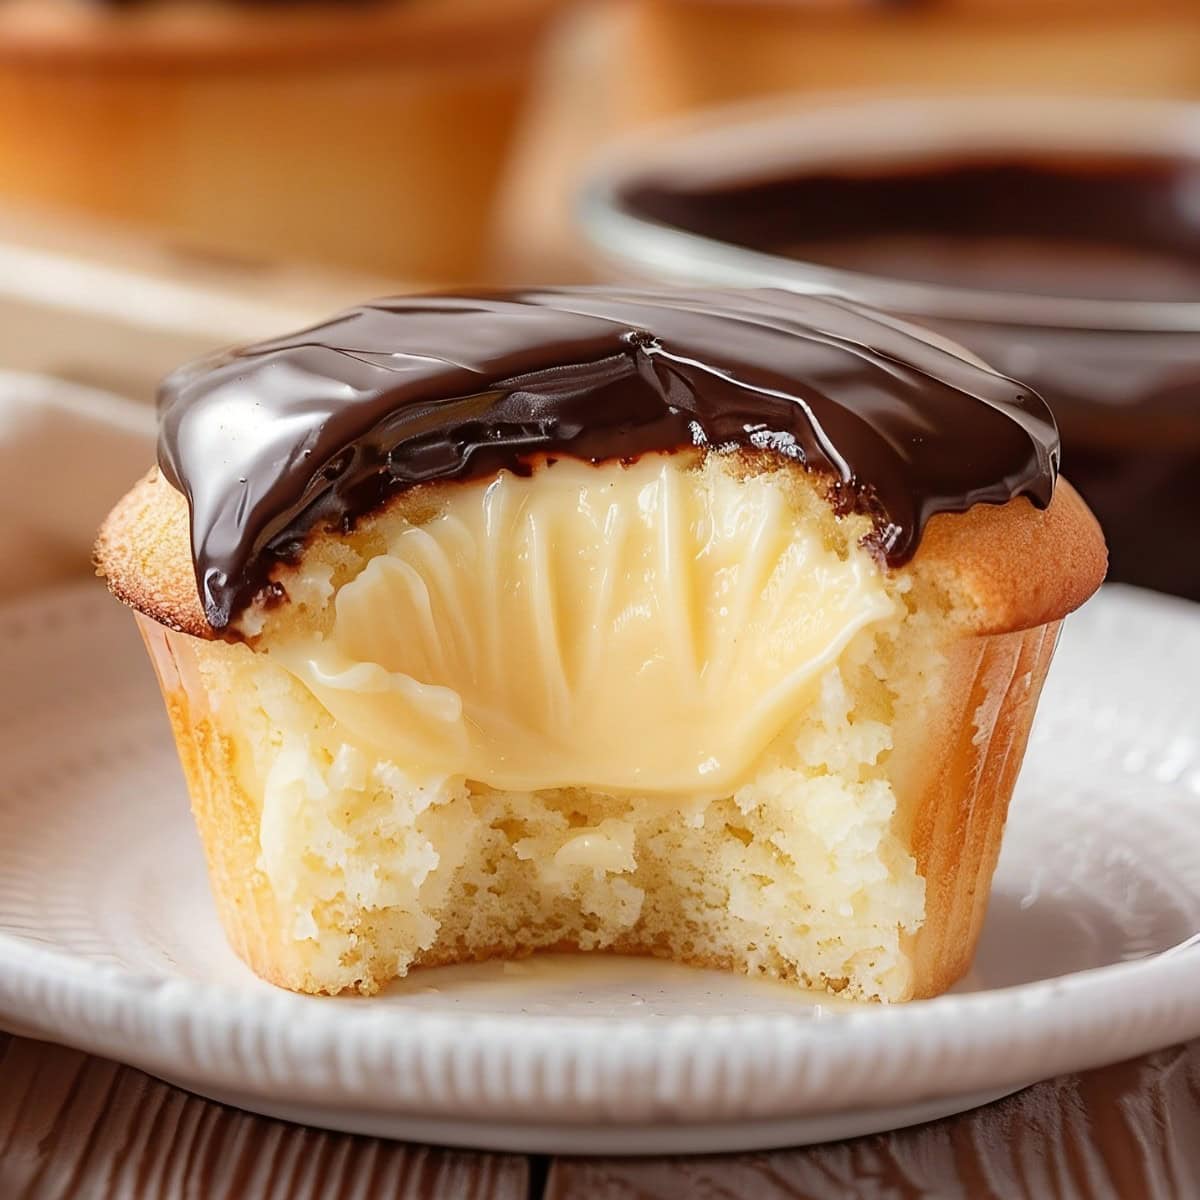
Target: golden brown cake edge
point(1003, 567)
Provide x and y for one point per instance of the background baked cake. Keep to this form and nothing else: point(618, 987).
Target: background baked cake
point(370, 134)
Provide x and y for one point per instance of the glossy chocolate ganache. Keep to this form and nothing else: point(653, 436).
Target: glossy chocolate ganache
point(320, 428)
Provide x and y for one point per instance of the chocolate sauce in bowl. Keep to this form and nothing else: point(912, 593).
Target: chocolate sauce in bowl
point(1118, 229)
point(318, 429)
point(1128, 406)
point(1111, 228)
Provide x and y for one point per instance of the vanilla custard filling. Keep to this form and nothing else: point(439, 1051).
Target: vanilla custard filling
point(643, 629)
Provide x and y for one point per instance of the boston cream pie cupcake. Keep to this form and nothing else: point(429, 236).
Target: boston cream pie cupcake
point(370, 134)
point(707, 625)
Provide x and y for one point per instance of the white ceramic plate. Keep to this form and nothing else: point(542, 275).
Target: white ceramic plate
point(108, 940)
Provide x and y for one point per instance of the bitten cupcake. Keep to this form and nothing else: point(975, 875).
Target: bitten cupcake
point(366, 134)
point(707, 625)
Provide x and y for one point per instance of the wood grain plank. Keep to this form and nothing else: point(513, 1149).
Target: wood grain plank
point(73, 1127)
point(1122, 1132)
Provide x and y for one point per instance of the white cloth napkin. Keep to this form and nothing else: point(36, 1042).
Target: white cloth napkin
point(67, 453)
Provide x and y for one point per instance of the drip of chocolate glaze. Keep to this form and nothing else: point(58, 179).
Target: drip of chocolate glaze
point(315, 430)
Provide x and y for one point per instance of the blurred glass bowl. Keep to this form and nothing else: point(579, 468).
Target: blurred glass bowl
point(1116, 351)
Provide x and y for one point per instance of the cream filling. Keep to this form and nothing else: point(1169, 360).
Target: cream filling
point(647, 629)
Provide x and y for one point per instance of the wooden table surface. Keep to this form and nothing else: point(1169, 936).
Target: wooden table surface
point(76, 1127)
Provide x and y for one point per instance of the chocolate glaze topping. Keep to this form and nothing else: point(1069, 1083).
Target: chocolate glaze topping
point(318, 429)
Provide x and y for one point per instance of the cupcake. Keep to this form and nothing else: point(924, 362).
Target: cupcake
point(370, 135)
point(708, 625)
